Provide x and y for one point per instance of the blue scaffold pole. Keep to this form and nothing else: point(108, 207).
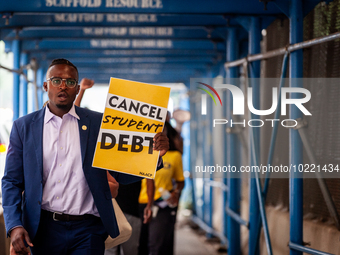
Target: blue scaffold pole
point(295, 144)
point(209, 130)
point(233, 201)
point(40, 79)
point(193, 151)
point(24, 84)
point(254, 211)
point(16, 49)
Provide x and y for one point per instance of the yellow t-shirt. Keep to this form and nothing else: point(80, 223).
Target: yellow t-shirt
point(172, 170)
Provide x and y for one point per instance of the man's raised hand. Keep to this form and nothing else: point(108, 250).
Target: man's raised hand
point(86, 83)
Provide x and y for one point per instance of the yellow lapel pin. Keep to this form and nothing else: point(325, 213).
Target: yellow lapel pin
point(84, 127)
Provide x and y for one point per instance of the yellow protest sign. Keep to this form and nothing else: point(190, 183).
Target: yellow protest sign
point(134, 113)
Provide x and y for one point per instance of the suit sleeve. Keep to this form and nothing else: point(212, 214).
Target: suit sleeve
point(13, 181)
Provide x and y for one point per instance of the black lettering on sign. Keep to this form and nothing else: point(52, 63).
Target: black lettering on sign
point(152, 112)
point(150, 139)
point(103, 141)
point(131, 106)
point(158, 113)
point(106, 118)
point(114, 119)
point(108, 141)
point(122, 142)
point(141, 109)
point(148, 126)
point(137, 145)
point(111, 99)
point(122, 105)
point(140, 123)
point(145, 174)
point(134, 106)
point(132, 123)
point(121, 123)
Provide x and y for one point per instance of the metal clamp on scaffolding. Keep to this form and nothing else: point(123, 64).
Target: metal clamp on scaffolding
point(18, 71)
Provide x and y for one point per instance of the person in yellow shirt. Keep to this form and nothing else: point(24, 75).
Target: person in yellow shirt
point(160, 237)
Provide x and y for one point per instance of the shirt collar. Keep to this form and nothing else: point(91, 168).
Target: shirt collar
point(49, 115)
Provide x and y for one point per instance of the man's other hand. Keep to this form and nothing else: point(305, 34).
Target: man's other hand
point(114, 185)
point(18, 235)
point(86, 83)
point(161, 143)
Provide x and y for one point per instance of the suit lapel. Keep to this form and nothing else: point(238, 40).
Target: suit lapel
point(84, 126)
point(37, 126)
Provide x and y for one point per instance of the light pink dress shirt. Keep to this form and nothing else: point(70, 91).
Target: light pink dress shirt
point(65, 188)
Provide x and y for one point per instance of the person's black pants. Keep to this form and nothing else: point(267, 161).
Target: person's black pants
point(158, 235)
point(84, 237)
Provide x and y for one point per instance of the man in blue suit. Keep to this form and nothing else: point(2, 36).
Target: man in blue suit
point(54, 200)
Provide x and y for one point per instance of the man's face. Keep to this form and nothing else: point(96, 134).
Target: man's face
point(61, 98)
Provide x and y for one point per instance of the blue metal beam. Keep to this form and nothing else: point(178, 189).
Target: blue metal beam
point(210, 156)
point(295, 144)
point(105, 68)
point(40, 81)
point(174, 76)
point(136, 71)
point(144, 60)
point(124, 74)
point(254, 48)
point(24, 84)
point(16, 49)
point(301, 249)
point(122, 44)
point(18, 20)
point(145, 80)
point(234, 194)
point(139, 6)
point(115, 32)
point(98, 53)
point(155, 78)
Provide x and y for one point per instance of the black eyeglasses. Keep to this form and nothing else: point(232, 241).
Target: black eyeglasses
point(56, 82)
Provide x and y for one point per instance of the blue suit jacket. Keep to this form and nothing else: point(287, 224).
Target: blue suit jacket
point(24, 172)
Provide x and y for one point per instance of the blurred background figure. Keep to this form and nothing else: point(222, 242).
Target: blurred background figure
point(157, 237)
point(175, 135)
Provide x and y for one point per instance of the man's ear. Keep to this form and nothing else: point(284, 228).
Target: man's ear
point(45, 85)
point(78, 88)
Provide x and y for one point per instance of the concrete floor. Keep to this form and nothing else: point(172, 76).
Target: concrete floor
point(188, 242)
point(193, 242)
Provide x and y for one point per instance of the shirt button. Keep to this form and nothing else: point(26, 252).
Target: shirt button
point(57, 197)
point(58, 181)
point(61, 131)
point(59, 164)
point(61, 148)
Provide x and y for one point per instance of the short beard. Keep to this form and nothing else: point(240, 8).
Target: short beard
point(62, 106)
